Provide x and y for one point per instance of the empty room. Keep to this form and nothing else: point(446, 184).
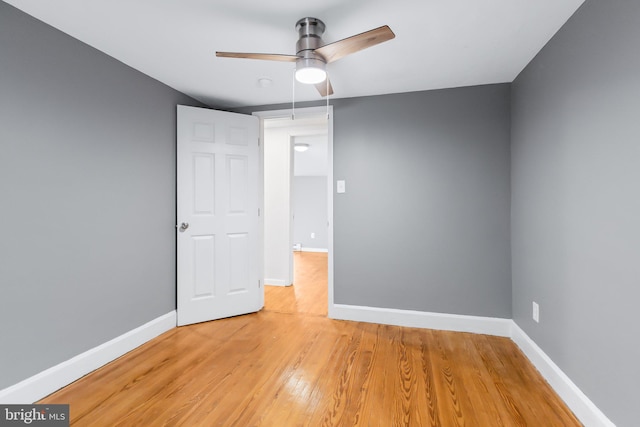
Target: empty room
point(475, 260)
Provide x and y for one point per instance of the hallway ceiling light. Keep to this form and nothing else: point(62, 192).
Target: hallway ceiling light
point(300, 147)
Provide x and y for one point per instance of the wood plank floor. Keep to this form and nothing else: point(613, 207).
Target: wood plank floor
point(291, 366)
point(308, 295)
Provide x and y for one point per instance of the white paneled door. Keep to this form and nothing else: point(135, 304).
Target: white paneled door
point(218, 228)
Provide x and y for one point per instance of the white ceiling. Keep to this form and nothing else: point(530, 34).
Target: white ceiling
point(306, 129)
point(314, 161)
point(438, 44)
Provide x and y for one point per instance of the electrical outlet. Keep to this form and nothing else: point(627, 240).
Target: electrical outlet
point(536, 312)
point(313, 235)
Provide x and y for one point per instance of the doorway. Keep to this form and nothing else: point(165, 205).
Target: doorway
point(298, 205)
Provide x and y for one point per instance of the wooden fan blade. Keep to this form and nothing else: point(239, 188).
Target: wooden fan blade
point(322, 88)
point(334, 51)
point(263, 56)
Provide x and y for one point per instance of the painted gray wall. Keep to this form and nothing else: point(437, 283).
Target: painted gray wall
point(310, 211)
point(424, 224)
point(576, 202)
point(87, 194)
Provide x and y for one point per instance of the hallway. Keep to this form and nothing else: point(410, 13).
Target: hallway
point(308, 295)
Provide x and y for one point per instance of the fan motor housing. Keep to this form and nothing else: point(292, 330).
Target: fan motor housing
point(310, 32)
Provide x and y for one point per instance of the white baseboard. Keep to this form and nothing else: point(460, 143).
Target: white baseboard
point(422, 319)
point(276, 282)
point(586, 411)
point(583, 408)
point(46, 382)
point(303, 249)
point(40, 385)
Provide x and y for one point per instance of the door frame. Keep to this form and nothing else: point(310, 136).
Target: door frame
point(302, 112)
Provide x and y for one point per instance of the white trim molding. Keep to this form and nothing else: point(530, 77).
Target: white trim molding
point(303, 249)
point(46, 382)
point(276, 282)
point(422, 319)
point(583, 408)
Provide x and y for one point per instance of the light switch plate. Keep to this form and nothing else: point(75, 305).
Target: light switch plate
point(341, 186)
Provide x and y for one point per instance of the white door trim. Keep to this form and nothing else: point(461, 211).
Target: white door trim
point(301, 113)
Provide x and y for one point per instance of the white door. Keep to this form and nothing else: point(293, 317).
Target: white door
point(218, 230)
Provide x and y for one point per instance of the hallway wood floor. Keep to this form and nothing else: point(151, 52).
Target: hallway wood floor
point(289, 365)
point(308, 295)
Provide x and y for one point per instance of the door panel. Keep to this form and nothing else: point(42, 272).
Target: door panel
point(238, 179)
point(204, 266)
point(204, 183)
point(218, 197)
point(238, 265)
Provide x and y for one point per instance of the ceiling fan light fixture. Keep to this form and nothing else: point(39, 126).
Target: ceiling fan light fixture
point(310, 71)
point(313, 55)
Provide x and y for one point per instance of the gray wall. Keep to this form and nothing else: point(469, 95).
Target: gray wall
point(424, 224)
point(576, 203)
point(87, 194)
point(309, 198)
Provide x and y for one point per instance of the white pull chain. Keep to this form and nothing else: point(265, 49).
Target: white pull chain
point(327, 80)
point(293, 102)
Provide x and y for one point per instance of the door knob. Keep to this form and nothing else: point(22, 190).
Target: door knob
point(184, 226)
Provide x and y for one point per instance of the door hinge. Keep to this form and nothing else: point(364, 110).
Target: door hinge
point(259, 284)
point(258, 211)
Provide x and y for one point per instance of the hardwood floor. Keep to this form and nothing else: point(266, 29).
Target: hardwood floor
point(308, 295)
point(289, 365)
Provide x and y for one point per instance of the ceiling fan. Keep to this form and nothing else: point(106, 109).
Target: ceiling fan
point(312, 55)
